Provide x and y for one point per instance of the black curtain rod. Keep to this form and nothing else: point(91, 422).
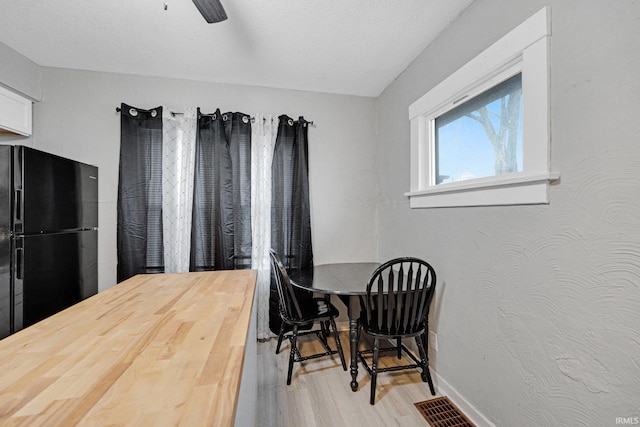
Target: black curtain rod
point(173, 114)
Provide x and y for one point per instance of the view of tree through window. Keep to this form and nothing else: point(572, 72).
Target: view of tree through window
point(481, 137)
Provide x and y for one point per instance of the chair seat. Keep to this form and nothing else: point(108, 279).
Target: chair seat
point(316, 309)
point(372, 327)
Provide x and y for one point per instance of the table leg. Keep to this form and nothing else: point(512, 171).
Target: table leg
point(353, 339)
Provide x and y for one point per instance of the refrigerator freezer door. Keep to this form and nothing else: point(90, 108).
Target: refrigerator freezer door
point(6, 194)
point(57, 271)
point(55, 193)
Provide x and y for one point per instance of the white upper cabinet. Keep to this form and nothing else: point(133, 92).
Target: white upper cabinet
point(15, 113)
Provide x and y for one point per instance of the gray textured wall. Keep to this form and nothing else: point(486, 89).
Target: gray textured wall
point(538, 307)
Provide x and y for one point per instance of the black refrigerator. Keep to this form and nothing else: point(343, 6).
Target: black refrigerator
point(48, 235)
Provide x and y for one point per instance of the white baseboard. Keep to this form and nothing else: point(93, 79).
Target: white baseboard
point(444, 388)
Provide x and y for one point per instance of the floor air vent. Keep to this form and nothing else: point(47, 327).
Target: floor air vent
point(440, 412)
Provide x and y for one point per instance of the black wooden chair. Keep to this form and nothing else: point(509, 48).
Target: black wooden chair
point(297, 315)
point(396, 306)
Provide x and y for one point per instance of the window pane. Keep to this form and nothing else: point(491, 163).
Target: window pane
point(481, 137)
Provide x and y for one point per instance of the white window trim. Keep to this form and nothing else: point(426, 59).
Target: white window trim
point(524, 49)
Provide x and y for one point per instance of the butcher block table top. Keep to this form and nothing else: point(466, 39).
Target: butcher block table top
point(157, 349)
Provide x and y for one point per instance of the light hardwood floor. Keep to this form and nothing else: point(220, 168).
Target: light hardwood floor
point(320, 395)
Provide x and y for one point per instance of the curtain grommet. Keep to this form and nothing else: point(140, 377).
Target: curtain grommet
point(133, 112)
point(214, 116)
point(154, 113)
point(225, 117)
point(245, 119)
point(290, 122)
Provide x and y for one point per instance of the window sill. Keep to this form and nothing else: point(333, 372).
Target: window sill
point(515, 189)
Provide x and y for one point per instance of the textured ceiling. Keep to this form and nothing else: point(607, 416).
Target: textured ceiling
point(355, 47)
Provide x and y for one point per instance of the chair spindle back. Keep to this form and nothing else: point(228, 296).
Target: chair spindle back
point(399, 294)
point(289, 307)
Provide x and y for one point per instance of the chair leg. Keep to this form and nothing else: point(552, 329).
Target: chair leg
point(280, 337)
point(294, 349)
point(399, 342)
point(339, 344)
point(374, 371)
point(324, 332)
point(424, 361)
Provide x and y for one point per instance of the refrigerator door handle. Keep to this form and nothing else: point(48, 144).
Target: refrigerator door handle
point(18, 205)
point(19, 264)
point(17, 289)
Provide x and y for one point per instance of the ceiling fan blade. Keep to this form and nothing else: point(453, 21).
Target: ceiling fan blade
point(211, 10)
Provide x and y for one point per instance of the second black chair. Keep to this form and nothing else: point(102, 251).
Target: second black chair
point(298, 315)
point(396, 306)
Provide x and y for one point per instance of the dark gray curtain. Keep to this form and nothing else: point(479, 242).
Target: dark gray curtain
point(221, 228)
point(139, 235)
point(290, 210)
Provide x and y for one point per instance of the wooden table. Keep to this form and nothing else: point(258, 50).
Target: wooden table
point(161, 349)
point(346, 280)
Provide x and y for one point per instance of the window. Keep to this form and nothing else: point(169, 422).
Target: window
point(481, 137)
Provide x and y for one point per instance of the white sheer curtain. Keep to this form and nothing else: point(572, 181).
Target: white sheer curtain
point(263, 137)
point(178, 159)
